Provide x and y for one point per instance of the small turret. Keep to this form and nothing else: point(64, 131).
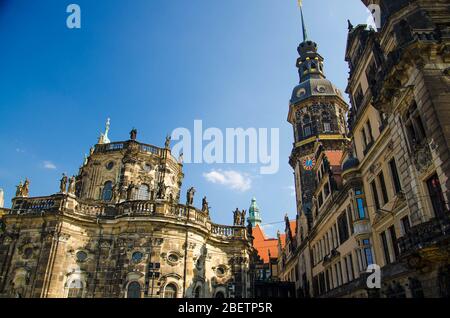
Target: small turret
point(254, 216)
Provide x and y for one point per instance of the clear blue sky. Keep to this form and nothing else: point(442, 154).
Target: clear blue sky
point(157, 65)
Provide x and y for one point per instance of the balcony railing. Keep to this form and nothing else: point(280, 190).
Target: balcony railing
point(425, 235)
point(361, 227)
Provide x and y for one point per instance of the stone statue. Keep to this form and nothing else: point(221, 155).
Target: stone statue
point(250, 230)
point(133, 134)
point(181, 158)
point(71, 189)
point(26, 189)
point(130, 191)
point(115, 193)
point(63, 184)
point(243, 213)
point(161, 192)
point(205, 206)
point(190, 196)
point(237, 217)
point(167, 143)
point(19, 189)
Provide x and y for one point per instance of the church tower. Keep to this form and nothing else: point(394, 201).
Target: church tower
point(317, 114)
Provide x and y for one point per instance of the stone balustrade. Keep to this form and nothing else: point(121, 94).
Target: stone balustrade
point(36, 205)
point(68, 204)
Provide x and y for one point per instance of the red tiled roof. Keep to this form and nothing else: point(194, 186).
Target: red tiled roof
point(334, 157)
point(263, 244)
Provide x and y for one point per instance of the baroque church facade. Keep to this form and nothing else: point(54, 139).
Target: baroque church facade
point(119, 229)
point(374, 194)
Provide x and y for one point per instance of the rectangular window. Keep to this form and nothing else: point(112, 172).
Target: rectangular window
point(369, 129)
point(387, 257)
point(350, 272)
point(375, 194)
point(368, 252)
point(436, 195)
point(320, 199)
point(394, 241)
point(361, 210)
point(364, 138)
point(326, 188)
point(326, 127)
point(406, 225)
point(395, 177)
point(343, 228)
point(383, 187)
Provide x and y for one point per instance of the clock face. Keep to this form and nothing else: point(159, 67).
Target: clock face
point(309, 163)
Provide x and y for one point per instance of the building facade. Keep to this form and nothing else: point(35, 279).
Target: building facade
point(118, 229)
point(380, 194)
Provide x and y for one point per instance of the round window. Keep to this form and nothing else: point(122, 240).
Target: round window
point(147, 167)
point(173, 258)
point(110, 165)
point(137, 257)
point(27, 253)
point(81, 256)
point(220, 271)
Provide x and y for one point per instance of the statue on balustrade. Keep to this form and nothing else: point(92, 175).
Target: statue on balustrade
point(190, 196)
point(161, 192)
point(63, 184)
point(167, 143)
point(115, 193)
point(243, 213)
point(19, 189)
point(237, 217)
point(133, 134)
point(71, 189)
point(205, 206)
point(250, 229)
point(130, 191)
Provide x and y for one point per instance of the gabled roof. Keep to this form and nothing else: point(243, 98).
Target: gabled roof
point(263, 244)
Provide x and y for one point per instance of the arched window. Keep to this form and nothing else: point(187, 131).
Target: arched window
point(306, 126)
point(326, 120)
point(143, 193)
point(134, 290)
point(170, 291)
point(197, 292)
point(220, 294)
point(75, 289)
point(107, 191)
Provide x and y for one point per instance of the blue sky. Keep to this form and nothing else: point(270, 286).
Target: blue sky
point(157, 65)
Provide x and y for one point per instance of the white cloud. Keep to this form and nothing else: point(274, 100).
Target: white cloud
point(49, 165)
point(230, 178)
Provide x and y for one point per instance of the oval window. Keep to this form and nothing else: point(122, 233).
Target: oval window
point(81, 256)
point(173, 258)
point(110, 165)
point(27, 253)
point(137, 257)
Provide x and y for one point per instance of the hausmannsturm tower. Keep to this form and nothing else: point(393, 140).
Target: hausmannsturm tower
point(317, 113)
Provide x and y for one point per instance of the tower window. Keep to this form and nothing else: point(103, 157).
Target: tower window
point(307, 126)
